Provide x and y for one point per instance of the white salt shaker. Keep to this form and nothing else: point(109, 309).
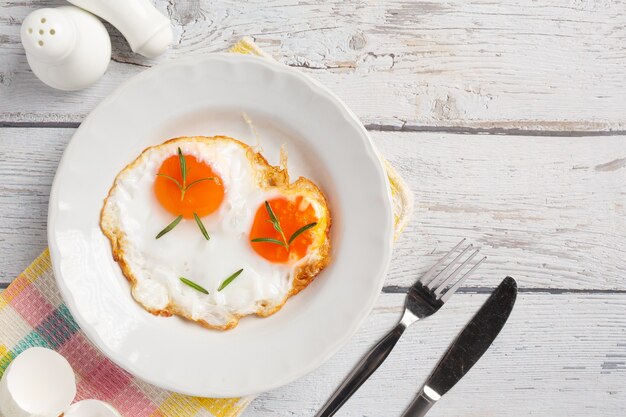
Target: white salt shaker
point(147, 31)
point(66, 47)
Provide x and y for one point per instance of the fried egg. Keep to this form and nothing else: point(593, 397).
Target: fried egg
point(235, 237)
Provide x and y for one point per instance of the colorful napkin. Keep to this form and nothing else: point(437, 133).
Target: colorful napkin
point(32, 313)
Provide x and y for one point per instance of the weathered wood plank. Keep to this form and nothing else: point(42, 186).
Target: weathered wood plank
point(558, 356)
point(549, 211)
point(544, 65)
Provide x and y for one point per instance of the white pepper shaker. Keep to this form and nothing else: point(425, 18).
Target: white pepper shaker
point(66, 47)
point(147, 31)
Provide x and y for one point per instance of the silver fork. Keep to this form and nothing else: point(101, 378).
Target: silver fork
point(424, 299)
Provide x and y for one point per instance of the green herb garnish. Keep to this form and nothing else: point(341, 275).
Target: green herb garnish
point(230, 279)
point(170, 226)
point(183, 173)
point(180, 187)
point(300, 231)
point(183, 165)
point(200, 180)
point(201, 226)
point(193, 285)
point(184, 170)
point(276, 223)
point(269, 240)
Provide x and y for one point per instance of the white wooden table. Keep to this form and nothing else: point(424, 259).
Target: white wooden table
point(508, 121)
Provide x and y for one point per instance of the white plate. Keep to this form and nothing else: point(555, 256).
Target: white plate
point(207, 96)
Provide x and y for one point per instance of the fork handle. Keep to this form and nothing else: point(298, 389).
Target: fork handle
point(366, 367)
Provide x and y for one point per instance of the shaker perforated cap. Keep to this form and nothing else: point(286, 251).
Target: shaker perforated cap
point(66, 47)
point(48, 35)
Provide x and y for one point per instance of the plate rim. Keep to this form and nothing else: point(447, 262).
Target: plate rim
point(347, 114)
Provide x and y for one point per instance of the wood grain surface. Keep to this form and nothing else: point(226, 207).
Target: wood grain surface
point(549, 211)
point(483, 65)
point(559, 355)
point(507, 120)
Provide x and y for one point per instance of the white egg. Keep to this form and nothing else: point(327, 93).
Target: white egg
point(132, 217)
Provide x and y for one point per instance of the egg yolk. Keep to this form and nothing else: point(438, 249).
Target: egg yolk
point(196, 194)
point(292, 214)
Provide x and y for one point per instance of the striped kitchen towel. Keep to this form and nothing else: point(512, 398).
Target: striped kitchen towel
point(32, 313)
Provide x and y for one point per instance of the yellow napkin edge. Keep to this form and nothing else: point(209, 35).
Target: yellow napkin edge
point(401, 197)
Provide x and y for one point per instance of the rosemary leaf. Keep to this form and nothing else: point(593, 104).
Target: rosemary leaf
point(201, 226)
point(300, 231)
point(193, 285)
point(171, 179)
point(269, 240)
point(183, 166)
point(273, 217)
point(170, 226)
point(200, 180)
point(229, 279)
point(276, 223)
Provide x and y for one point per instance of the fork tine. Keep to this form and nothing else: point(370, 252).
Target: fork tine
point(446, 296)
point(444, 272)
point(456, 272)
point(426, 277)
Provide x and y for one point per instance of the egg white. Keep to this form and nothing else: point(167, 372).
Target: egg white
point(157, 265)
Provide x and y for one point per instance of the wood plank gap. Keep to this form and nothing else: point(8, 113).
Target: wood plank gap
point(40, 125)
point(396, 289)
point(374, 127)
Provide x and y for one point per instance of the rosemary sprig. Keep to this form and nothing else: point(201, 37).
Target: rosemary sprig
point(184, 170)
point(300, 231)
point(229, 279)
point(170, 226)
point(201, 227)
point(183, 166)
point(183, 189)
point(270, 240)
point(217, 181)
point(171, 179)
point(276, 223)
point(193, 285)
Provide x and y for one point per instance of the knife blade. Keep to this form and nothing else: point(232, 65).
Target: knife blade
point(467, 348)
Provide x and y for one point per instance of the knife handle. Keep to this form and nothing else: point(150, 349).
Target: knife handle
point(419, 406)
point(366, 367)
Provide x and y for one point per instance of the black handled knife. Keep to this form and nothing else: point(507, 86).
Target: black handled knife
point(467, 348)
